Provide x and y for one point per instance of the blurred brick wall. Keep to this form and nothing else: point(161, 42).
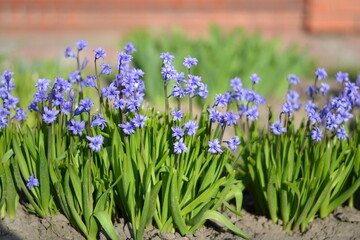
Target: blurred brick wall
point(275, 16)
point(333, 16)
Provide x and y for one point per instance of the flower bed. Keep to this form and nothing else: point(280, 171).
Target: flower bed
point(96, 155)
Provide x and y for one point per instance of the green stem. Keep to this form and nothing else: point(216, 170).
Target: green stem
point(190, 107)
point(166, 98)
point(98, 86)
point(89, 183)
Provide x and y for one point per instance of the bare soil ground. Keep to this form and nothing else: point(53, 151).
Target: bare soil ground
point(343, 224)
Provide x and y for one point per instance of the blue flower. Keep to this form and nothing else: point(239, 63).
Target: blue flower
point(293, 79)
point(321, 74)
point(167, 58)
point(252, 113)
point(139, 120)
point(316, 134)
point(110, 92)
point(69, 53)
point(20, 114)
point(84, 106)
point(99, 53)
point(220, 100)
point(230, 118)
point(32, 182)
point(189, 62)
point(276, 128)
point(342, 77)
point(76, 126)
point(255, 78)
point(178, 132)
point(191, 127)
point(90, 81)
point(123, 60)
point(178, 115)
point(49, 116)
point(129, 48)
point(214, 146)
point(313, 116)
point(214, 115)
point(99, 121)
point(341, 133)
point(236, 84)
point(180, 147)
point(324, 88)
point(81, 44)
point(169, 72)
point(128, 128)
point(95, 143)
point(233, 143)
point(286, 108)
point(11, 101)
point(202, 91)
point(106, 69)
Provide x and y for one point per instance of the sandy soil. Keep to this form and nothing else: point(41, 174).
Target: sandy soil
point(343, 224)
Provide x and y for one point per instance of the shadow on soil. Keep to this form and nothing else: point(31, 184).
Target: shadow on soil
point(6, 234)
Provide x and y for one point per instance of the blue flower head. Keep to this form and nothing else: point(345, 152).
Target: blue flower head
point(276, 128)
point(129, 48)
point(189, 62)
point(233, 143)
point(321, 73)
point(293, 79)
point(191, 127)
point(98, 121)
point(316, 134)
point(255, 78)
point(32, 182)
point(69, 53)
point(178, 115)
point(99, 53)
point(95, 143)
point(81, 44)
point(341, 77)
point(76, 127)
point(214, 146)
point(180, 147)
point(49, 116)
point(167, 58)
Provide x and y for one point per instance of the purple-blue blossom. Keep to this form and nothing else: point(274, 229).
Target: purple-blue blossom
point(320, 73)
point(177, 132)
point(32, 182)
point(252, 113)
point(191, 127)
point(129, 48)
point(233, 143)
point(167, 58)
point(341, 77)
point(81, 45)
point(255, 78)
point(214, 115)
point(84, 106)
point(20, 114)
point(316, 134)
point(128, 128)
point(189, 62)
point(214, 146)
point(180, 147)
point(276, 128)
point(177, 115)
point(69, 53)
point(95, 143)
point(202, 91)
point(98, 121)
point(106, 69)
point(341, 133)
point(324, 88)
point(236, 84)
point(230, 118)
point(76, 126)
point(220, 100)
point(139, 120)
point(49, 116)
point(293, 79)
point(99, 53)
point(169, 72)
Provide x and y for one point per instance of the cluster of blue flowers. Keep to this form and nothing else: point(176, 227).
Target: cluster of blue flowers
point(191, 87)
point(9, 102)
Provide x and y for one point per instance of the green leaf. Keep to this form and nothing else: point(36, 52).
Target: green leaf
point(105, 221)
